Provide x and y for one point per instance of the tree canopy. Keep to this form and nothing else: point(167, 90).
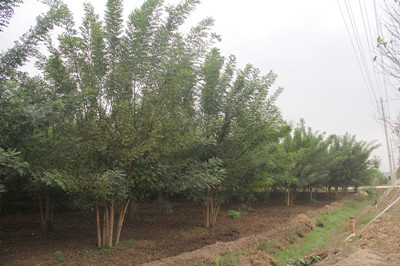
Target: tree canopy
point(120, 114)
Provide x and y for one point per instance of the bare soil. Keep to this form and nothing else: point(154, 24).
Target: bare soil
point(375, 244)
point(149, 237)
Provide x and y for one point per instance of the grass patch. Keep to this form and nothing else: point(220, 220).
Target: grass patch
point(332, 229)
point(237, 211)
point(229, 258)
point(233, 214)
point(59, 256)
point(269, 246)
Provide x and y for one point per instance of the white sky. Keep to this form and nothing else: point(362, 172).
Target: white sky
point(304, 42)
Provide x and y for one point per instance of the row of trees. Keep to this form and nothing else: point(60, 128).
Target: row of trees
point(121, 114)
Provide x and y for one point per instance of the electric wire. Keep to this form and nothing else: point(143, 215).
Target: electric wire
point(376, 83)
point(355, 52)
point(368, 35)
point(360, 48)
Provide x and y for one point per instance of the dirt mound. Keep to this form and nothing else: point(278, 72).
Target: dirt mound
point(364, 257)
point(247, 249)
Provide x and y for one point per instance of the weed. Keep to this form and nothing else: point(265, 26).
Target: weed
point(217, 261)
point(371, 191)
point(269, 246)
point(233, 214)
point(237, 211)
point(165, 207)
point(228, 258)
point(104, 251)
point(380, 245)
point(129, 243)
point(59, 256)
point(306, 260)
point(391, 259)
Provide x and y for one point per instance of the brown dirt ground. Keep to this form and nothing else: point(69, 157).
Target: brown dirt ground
point(149, 237)
point(375, 244)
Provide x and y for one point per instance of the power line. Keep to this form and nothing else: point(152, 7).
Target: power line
point(356, 54)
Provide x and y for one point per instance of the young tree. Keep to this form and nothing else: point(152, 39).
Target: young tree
point(349, 161)
point(237, 119)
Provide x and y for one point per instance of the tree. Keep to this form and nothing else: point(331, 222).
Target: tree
point(349, 161)
point(11, 168)
point(204, 183)
point(131, 96)
point(311, 164)
point(236, 120)
point(7, 11)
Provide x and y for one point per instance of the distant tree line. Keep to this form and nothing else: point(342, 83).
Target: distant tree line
point(121, 114)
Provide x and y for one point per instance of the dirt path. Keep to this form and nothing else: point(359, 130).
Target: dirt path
point(376, 244)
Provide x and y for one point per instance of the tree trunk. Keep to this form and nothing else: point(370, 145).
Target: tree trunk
point(132, 210)
point(159, 197)
point(105, 227)
point(111, 225)
point(52, 211)
point(207, 218)
point(121, 221)
point(311, 194)
point(98, 226)
point(268, 195)
point(42, 219)
point(47, 216)
point(288, 195)
point(215, 214)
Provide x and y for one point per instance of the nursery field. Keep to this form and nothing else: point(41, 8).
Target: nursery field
point(149, 236)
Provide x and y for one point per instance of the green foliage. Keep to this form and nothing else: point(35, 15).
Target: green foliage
point(11, 168)
point(349, 161)
point(59, 256)
point(237, 211)
point(307, 158)
point(7, 11)
point(372, 193)
point(201, 177)
point(228, 258)
point(233, 214)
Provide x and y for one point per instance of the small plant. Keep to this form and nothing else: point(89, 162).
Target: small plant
point(165, 207)
point(59, 256)
point(306, 261)
point(371, 191)
point(380, 245)
point(104, 250)
point(268, 246)
point(233, 214)
point(217, 261)
point(229, 258)
point(237, 211)
point(312, 202)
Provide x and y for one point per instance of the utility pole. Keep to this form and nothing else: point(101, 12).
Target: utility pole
point(393, 175)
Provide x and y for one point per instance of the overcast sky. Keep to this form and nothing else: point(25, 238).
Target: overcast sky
point(304, 42)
